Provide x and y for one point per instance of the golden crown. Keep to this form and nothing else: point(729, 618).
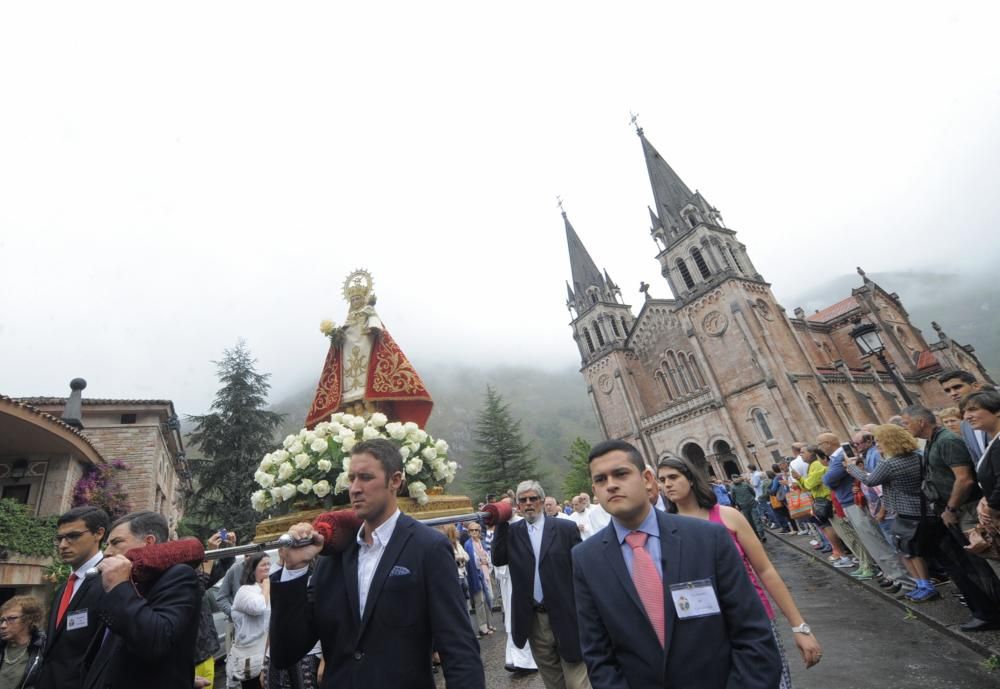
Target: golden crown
point(358, 284)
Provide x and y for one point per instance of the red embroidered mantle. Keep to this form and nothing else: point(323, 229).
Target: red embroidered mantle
point(392, 383)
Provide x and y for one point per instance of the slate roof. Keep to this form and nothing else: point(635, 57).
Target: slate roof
point(832, 312)
point(89, 401)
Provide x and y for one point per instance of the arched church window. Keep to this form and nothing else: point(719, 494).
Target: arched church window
point(736, 260)
point(725, 258)
point(760, 419)
point(590, 340)
point(662, 377)
point(846, 409)
point(593, 297)
point(677, 375)
point(699, 261)
point(816, 411)
point(614, 327)
point(686, 373)
point(696, 372)
point(600, 335)
point(685, 273)
point(624, 326)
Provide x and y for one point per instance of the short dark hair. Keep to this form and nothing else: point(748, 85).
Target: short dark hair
point(816, 451)
point(700, 487)
point(143, 524)
point(248, 575)
point(385, 451)
point(93, 517)
point(984, 399)
point(963, 376)
point(775, 468)
point(606, 446)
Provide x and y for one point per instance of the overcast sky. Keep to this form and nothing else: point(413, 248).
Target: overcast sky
point(174, 177)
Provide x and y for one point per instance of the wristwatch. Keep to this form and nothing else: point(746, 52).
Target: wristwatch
point(802, 629)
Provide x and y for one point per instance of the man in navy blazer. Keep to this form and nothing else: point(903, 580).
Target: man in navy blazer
point(149, 632)
point(543, 610)
point(72, 622)
point(721, 639)
point(383, 605)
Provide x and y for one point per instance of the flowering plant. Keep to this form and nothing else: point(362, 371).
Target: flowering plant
point(101, 485)
point(311, 466)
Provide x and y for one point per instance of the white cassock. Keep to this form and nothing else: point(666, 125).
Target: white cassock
point(518, 657)
point(583, 523)
point(598, 518)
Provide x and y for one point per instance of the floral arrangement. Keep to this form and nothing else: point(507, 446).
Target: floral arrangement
point(311, 467)
point(102, 487)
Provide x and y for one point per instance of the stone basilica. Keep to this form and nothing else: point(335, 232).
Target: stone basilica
point(720, 374)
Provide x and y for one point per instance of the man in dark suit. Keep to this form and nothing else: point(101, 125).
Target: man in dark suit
point(664, 600)
point(148, 636)
point(543, 613)
point(384, 604)
point(72, 624)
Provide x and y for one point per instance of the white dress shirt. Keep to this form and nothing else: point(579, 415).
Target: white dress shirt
point(535, 531)
point(82, 569)
point(369, 556)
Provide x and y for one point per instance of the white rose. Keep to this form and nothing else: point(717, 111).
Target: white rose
point(358, 422)
point(285, 470)
point(335, 428)
point(429, 453)
point(395, 430)
point(295, 448)
point(347, 419)
point(441, 446)
point(319, 445)
point(346, 464)
point(368, 433)
point(264, 479)
point(289, 439)
point(324, 465)
point(404, 451)
point(305, 486)
point(414, 448)
point(288, 491)
point(267, 462)
point(414, 466)
point(323, 429)
point(337, 418)
point(349, 443)
point(321, 488)
point(411, 427)
point(417, 488)
point(302, 460)
point(259, 500)
point(307, 436)
point(279, 456)
point(378, 419)
point(276, 495)
point(342, 483)
point(421, 436)
point(453, 467)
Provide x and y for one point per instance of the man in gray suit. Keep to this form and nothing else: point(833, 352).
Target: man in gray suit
point(958, 384)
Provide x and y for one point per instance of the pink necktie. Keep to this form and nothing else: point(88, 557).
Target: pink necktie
point(647, 582)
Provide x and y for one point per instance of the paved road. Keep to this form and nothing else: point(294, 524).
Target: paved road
point(867, 642)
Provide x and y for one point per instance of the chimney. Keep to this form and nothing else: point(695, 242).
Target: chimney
point(74, 405)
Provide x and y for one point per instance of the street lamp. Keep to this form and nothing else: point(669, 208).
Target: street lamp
point(752, 449)
point(866, 336)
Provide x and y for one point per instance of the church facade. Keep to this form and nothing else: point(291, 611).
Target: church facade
point(720, 373)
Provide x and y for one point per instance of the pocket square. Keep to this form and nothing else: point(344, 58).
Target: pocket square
point(398, 571)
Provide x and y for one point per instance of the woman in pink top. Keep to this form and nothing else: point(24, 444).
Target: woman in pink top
point(691, 495)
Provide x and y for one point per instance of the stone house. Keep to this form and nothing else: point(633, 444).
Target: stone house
point(47, 443)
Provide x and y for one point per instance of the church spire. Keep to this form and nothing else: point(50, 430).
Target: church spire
point(584, 270)
point(670, 194)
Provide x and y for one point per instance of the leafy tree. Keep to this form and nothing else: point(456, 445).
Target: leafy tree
point(501, 458)
point(578, 479)
point(233, 437)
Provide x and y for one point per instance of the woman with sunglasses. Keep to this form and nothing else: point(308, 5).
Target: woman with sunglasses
point(691, 495)
point(21, 642)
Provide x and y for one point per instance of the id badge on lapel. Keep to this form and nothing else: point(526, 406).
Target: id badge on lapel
point(694, 599)
point(76, 620)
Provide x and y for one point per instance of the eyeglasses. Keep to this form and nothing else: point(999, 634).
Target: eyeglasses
point(528, 498)
point(70, 536)
point(10, 619)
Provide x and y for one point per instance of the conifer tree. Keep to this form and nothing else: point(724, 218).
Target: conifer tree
point(501, 458)
point(577, 480)
point(232, 437)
